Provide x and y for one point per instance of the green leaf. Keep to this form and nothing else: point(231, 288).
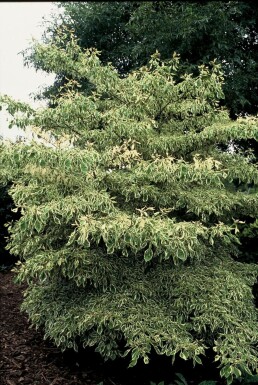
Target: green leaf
point(198, 360)
point(38, 225)
point(83, 168)
point(181, 377)
point(148, 255)
point(23, 225)
point(68, 164)
point(183, 356)
point(181, 254)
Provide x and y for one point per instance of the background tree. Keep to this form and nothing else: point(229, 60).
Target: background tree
point(127, 235)
point(127, 33)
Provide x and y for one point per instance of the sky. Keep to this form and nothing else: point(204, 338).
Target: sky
point(19, 23)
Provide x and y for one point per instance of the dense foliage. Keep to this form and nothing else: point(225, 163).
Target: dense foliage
point(128, 32)
point(128, 234)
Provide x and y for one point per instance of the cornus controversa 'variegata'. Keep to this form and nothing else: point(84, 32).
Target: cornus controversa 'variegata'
point(128, 235)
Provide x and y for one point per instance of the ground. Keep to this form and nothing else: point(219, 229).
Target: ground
point(25, 358)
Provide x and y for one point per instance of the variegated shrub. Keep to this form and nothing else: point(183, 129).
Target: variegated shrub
point(127, 237)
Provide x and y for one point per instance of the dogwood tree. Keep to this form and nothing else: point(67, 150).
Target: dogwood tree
point(127, 236)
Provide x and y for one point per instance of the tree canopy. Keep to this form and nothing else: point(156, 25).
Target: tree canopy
point(127, 33)
point(128, 235)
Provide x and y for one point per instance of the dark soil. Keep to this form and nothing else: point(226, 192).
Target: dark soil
point(25, 358)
